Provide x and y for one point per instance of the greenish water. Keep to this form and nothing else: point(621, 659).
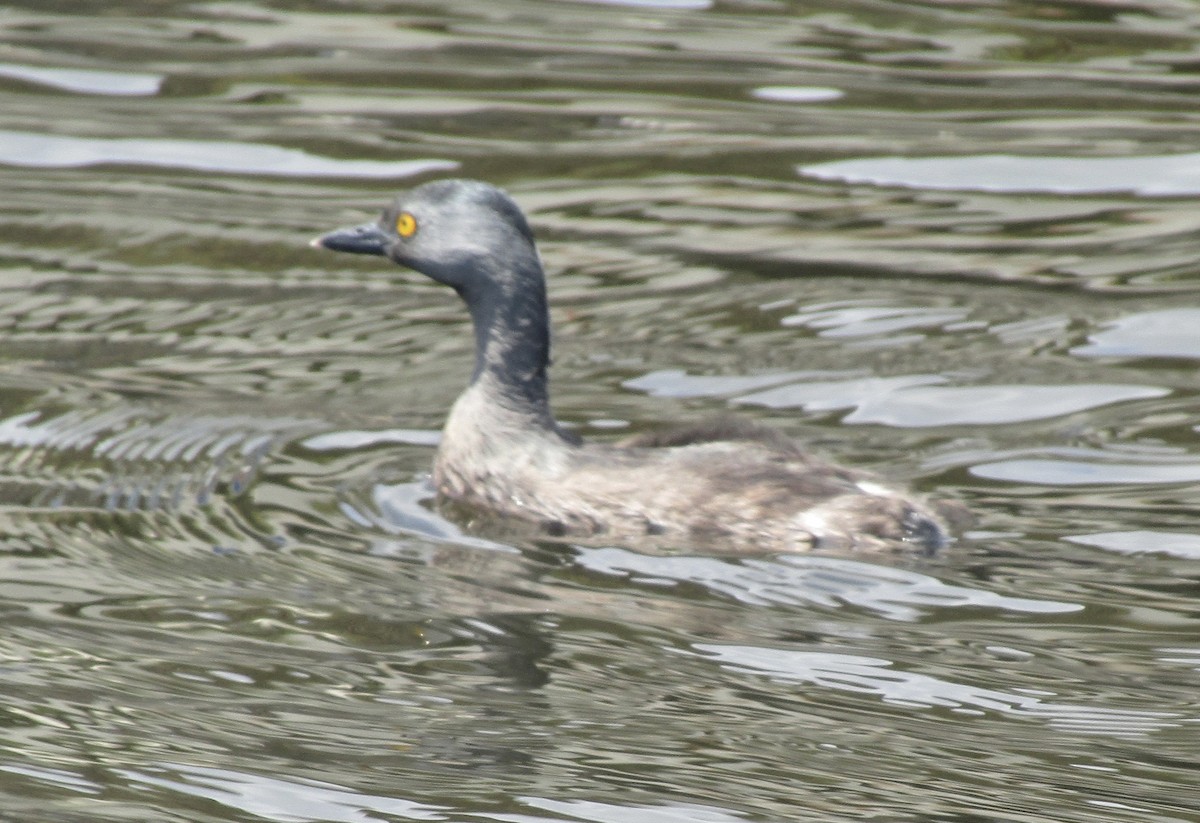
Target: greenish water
point(954, 243)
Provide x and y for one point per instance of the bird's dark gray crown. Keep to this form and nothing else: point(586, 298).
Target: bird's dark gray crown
point(463, 203)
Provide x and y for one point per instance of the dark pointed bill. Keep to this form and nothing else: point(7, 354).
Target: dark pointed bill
point(365, 239)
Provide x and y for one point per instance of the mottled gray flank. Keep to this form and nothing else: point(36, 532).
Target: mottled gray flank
point(728, 485)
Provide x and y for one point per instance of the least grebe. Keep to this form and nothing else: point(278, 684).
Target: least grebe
point(730, 485)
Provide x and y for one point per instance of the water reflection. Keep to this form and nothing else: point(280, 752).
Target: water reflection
point(408, 508)
point(906, 401)
point(1143, 541)
point(620, 813)
point(1161, 333)
point(976, 405)
point(873, 676)
point(1170, 175)
point(654, 4)
point(797, 94)
point(849, 320)
point(299, 799)
point(346, 440)
point(225, 156)
point(1083, 467)
point(677, 383)
point(86, 81)
point(149, 461)
point(803, 580)
point(274, 798)
point(59, 778)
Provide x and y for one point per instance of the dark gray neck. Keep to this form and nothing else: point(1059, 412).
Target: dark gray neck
point(512, 338)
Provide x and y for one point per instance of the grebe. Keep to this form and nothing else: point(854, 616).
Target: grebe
point(730, 485)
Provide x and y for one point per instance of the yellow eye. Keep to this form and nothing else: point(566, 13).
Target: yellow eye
point(406, 225)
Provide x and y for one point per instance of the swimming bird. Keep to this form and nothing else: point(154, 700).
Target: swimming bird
point(730, 485)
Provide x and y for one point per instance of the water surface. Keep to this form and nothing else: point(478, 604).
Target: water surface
point(952, 243)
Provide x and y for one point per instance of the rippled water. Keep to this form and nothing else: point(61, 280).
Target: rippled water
point(952, 242)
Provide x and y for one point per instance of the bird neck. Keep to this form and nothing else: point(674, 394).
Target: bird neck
point(512, 339)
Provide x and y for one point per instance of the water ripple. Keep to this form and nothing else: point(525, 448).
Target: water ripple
point(804, 580)
point(147, 462)
point(875, 676)
point(904, 401)
point(275, 798)
point(1100, 471)
point(797, 94)
point(1162, 333)
point(912, 401)
point(1143, 541)
point(1169, 175)
point(621, 813)
point(863, 320)
point(30, 149)
point(86, 81)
